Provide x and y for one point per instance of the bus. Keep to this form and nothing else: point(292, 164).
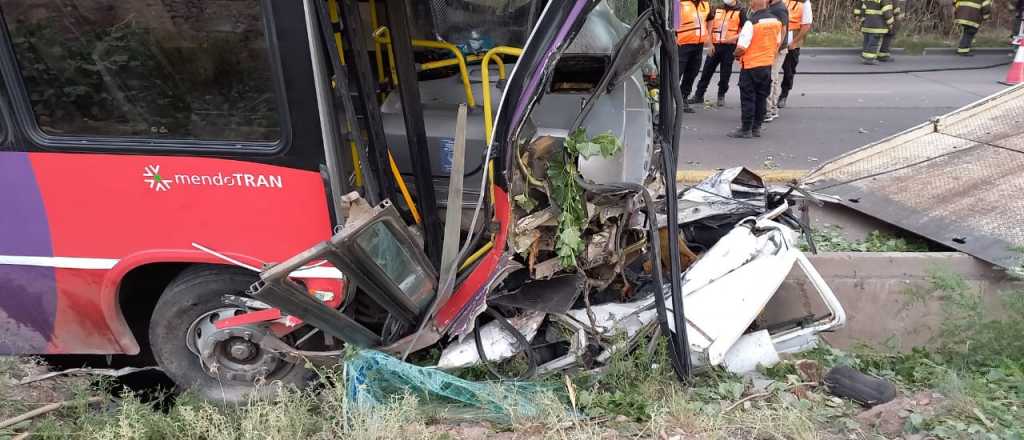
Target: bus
point(156, 156)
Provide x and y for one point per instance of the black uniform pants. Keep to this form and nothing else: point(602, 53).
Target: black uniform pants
point(755, 86)
point(721, 60)
point(883, 51)
point(967, 34)
point(872, 45)
point(789, 70)
point(689, 66)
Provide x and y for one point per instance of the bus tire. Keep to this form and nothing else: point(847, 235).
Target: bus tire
point(197, 293)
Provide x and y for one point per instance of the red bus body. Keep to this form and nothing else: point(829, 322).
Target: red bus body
point(79, 222)
point(83, 209)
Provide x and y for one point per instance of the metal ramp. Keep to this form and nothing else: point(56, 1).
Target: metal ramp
point(957, 180)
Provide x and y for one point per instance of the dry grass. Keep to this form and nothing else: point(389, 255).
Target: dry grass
point(635, 397)
point(325, 412)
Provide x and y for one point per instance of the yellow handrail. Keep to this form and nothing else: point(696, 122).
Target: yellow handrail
point(334, 16)
point(376, 44)
point(501, 67)
point(486, 77)
point(463, 71)
point(403, 189)
point(384, 36)
point(332, 10)
point(469, 59)
point(476, 255)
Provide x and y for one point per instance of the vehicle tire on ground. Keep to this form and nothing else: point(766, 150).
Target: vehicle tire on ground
point(188, 306)
point(867, 390)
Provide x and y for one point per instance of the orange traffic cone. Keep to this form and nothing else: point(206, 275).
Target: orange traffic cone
point(1016, 74)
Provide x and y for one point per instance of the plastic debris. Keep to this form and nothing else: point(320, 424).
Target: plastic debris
point(498, 343)
point(373, 378)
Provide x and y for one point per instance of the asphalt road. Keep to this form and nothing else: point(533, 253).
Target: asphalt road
point(829, 114)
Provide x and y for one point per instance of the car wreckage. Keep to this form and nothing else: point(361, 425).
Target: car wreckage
point(564, 237)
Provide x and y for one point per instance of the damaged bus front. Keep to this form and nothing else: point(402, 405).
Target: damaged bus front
point(569, 243)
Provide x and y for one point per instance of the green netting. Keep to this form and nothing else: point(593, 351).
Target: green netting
point(374, 378)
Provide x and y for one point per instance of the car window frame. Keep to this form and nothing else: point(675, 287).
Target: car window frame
point(24, 116)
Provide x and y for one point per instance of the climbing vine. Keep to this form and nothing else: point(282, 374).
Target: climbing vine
point(566, 192)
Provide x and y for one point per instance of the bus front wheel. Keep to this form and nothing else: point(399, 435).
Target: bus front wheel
point(219, 365)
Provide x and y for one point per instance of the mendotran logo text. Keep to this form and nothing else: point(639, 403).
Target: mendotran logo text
point(162, 182)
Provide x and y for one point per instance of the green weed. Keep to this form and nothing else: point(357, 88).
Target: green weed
point(977, 362)
point(831, 239)
point(913, 44)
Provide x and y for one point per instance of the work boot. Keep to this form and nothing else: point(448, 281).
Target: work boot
point(697, 98)
point(755, 132)
point(688, 109)
point(771, 117)
point(781, 102)
point(887, 59)
point(740, 133)
point(721, 101)
point(965, 54)
point(869, 61)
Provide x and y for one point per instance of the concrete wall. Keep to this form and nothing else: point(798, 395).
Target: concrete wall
point(882, 294)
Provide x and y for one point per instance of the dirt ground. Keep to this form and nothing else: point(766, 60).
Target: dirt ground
point(16, 398)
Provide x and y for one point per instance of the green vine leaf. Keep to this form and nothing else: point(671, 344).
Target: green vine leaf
point(567, 193)
point(608, 144)
point(526, 202)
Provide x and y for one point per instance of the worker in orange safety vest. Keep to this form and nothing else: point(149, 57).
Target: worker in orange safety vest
point(725, 21)
point(692, 36)
point(756, 48)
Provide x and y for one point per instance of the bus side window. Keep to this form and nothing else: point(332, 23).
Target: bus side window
point(167, 70)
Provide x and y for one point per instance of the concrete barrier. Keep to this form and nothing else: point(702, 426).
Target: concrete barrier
point(976, 50)
point(888, 296)
point(842, 50)
point(693, 176)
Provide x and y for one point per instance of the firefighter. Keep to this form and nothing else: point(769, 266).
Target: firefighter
point(875, 18)
point(969, 15)
point(897, 14)
point(800, 22)
point(757, 47)
point(725, 30)
point(692, 37)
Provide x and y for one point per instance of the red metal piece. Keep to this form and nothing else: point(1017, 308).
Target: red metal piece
point(255, 317)
point(487, 269)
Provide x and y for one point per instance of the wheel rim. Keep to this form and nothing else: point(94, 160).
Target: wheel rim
point(231, 353)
